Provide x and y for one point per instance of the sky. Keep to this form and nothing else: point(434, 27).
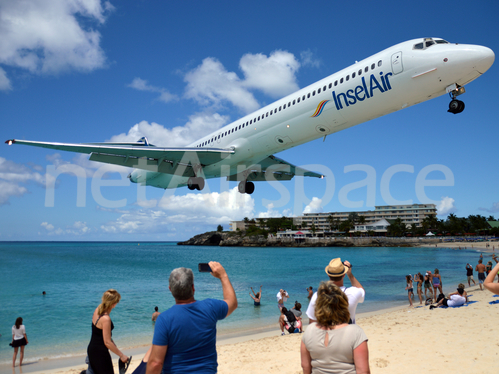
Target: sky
point(91, 71)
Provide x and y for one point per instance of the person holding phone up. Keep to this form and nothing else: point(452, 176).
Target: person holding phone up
point(185, 335)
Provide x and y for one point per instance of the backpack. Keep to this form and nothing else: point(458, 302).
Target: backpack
point(290, 326)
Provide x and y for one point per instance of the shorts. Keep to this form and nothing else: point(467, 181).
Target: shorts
point(481, 277)
point(445, 302)
point(470, 277)
point(410, 290)
point(426, 285)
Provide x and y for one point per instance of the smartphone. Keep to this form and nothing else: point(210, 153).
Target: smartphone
point(203, 267)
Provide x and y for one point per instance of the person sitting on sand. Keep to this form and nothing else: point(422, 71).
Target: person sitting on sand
point(287, 320)
point(409, 288)
point(296, 310)
point(331, 345)
point(258, 296)
point(458, 298)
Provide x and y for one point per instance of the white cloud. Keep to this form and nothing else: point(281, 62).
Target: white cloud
point(274, 75)
point(78, 228)
point(12, 178)
point(173, 213)
point(274, 213)
point(4, 81)
point(211, 84)
point(314, 206)
point(446, 206)
point(493, 209)
point(47, 226)
point(142, 85)
point(199, 124)
point(308, 59)
point(52, 36)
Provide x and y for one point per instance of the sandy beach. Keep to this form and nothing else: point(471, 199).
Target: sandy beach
point(401, 340)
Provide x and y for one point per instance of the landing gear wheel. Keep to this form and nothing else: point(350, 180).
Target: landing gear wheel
point(246, 187)
point(195, 183)
point(250, 188)
point(199, 183)
point(456, 106)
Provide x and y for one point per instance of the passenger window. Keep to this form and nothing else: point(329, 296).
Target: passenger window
point(341, 80)
point(313, 93)
point(380, 63)
point(303, 98)
point(330, 85)
point(324, 88)
point(294, 102)
point(259, 118)
point(251, 121)
point(353, 75)
point(239, 127)
point(267, 114)
point(308, 96)
point(373, 66)
point(319, 91)
point(335, 83)
point(348, 77)
point(280, 109)
point(360, 71)
point(298, 100)
point(366, 69)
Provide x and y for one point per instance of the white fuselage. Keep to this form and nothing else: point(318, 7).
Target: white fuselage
point(393, 79)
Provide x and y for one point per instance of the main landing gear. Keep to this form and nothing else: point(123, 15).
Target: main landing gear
point(246, 187)
point(195, 183)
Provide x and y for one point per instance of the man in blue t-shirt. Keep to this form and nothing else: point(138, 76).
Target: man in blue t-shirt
point(185, 335)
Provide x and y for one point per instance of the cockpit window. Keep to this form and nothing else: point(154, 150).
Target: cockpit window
point(428, 42)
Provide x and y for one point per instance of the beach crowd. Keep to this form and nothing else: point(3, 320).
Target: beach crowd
point(184, 339)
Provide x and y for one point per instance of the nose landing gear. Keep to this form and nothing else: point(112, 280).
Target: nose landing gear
point(455, 106)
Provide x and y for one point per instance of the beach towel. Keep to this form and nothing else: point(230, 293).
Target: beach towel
point(494, 302)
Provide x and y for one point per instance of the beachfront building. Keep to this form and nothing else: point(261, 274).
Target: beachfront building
point(409, 214)
point(379, 227)
point(320, 223)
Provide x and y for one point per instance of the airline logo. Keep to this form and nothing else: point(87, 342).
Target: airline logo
point(320, 108)
point(364, 91)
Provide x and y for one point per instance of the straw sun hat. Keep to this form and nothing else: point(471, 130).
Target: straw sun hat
point(336, 268)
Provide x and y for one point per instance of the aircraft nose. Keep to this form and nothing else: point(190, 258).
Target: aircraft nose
point(485, 58)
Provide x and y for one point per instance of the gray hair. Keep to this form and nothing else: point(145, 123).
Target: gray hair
point(181, 282)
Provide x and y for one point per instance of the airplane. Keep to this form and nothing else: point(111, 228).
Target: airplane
point(398, 77)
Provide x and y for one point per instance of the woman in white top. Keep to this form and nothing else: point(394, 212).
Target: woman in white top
point(19, 339)
point(331, 345)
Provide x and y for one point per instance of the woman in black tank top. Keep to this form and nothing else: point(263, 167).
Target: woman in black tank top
point(101, 342)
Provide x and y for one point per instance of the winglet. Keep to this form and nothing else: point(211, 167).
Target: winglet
point(10, 141)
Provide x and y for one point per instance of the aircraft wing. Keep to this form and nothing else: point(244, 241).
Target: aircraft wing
point(280, 169)
point(140, 155)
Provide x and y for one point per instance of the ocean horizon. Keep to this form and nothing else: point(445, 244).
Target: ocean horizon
point(75, 274)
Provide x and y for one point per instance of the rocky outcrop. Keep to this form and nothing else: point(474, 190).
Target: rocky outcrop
point(233, 239)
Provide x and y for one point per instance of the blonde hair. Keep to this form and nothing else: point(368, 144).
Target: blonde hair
point(109, 298)
point(331, 307)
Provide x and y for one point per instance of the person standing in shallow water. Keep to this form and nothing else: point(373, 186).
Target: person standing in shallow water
point(257, 296)
point(19, 339)
point(155, 314)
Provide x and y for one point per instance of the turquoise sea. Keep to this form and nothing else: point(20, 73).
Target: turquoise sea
point(75, 274)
